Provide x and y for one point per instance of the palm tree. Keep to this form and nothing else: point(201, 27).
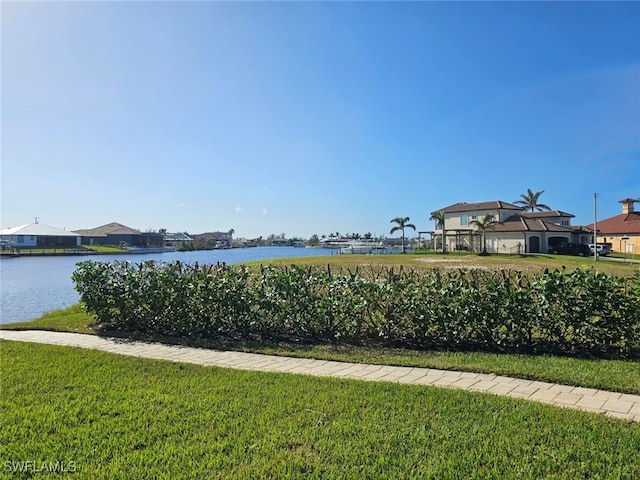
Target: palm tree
point(529, 201)
point(482, 225)
point(401, 224)
point(439, 217)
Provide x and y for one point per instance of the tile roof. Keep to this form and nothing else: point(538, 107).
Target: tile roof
point(628, 223)
point(113, 228)
point(475, 206)
point(547, 214)
point(519, 223)
point(37, 229)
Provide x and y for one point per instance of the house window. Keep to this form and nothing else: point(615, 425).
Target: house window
point(464, 220)
point(20, 238)
point(474, 216)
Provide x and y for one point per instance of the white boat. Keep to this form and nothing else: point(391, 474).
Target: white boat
point(359, 248)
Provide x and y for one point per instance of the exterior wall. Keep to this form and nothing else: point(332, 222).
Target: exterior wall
point(563, 221)
point(461, 235)
point(22, 240)
point(524, 242)
point(497, 242)
point(618, 245)
point(43, 241)
point(505, 242)
point(461, 220)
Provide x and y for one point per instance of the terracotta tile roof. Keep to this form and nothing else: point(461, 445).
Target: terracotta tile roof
point(476, 206)
point(628, 223)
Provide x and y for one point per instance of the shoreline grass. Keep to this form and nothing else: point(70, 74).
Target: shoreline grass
point(123, 417)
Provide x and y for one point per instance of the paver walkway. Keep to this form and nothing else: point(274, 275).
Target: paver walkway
point(610, 403)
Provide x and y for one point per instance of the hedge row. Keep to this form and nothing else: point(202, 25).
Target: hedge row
point(578, 312)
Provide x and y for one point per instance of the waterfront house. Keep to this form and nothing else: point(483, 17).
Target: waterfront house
point(117, 234)
point(514, 231)
point(40, 236)
point(212, 240)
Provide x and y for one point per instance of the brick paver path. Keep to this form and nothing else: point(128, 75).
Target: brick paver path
point(614, 404)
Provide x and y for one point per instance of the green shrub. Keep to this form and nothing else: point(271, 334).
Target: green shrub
point(581, 312)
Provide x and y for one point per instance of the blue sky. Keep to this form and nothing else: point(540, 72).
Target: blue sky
point(313, 117)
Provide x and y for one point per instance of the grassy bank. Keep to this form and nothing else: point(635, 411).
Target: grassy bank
point(120, 417)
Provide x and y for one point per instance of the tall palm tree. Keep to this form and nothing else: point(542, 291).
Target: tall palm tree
point(439, 217)
point(529, 202)
point(401, 224)
point(482, 225)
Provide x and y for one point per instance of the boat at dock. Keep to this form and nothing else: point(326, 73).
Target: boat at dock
point(362, 248)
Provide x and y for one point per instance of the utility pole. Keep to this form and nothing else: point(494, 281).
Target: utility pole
point(595, 227)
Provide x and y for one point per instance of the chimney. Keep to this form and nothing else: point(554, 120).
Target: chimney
point(627, 205)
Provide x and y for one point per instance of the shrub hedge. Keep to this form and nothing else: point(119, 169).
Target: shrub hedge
point(576, 312)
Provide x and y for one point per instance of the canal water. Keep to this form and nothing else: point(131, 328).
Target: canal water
point(32, 286)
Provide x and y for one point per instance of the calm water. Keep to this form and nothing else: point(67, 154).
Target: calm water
point(32, 286)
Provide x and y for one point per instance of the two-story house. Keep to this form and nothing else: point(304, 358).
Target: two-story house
point(513, 232)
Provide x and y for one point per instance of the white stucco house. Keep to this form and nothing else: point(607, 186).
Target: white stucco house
point(513, 232)
point(40, 235)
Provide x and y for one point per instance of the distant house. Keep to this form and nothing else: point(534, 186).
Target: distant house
point(118, 234)
point(212, 240)
point(39, 235)
point(176, 239)
point(514, 231)
point(614, 230)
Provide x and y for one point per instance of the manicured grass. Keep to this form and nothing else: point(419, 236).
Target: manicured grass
point(526, 263)
point(628, 256)
point(71, 319)
point(616, 375)
point(122, 417)
point(105, 249)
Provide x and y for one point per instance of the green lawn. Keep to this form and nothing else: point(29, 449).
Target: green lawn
point(430, 259)
point(616, 375)
point(122, 417)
